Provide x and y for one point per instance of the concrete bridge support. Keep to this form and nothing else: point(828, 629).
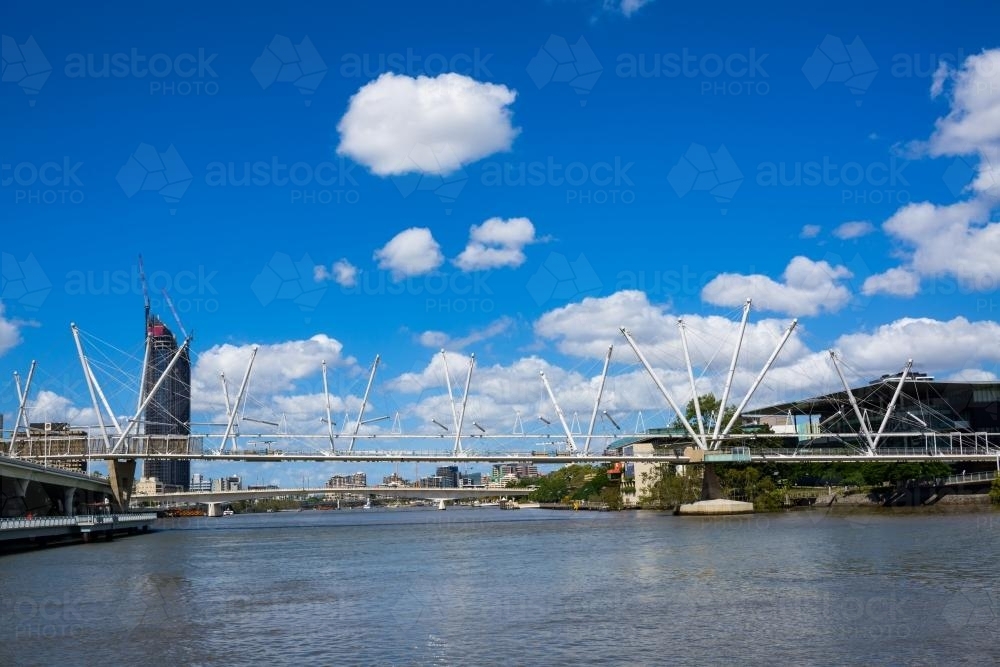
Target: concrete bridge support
point(214, 509)
point(711, 487)
point(121, 475)
point(68, 493)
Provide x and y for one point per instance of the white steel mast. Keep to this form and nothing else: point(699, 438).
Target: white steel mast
point(239, 398)
point(364, 403)
point(457, 449)
point(663, 390)
point(729, 378)
point(690, 369)
point(759, 378)
point(22, 407)
point(597, 403)
point(862, 424)
point(329, 412)
point(559, 413)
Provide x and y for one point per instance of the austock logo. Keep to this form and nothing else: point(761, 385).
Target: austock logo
point(283, 279)
point(284, 62)
point(700, 171)
point(562, 279)
point(834, 62)
point(559, 62)
point(148, 170)
point(23, 282)
point(24, 64)
point(429, 176)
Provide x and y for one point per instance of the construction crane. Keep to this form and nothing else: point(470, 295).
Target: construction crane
point(145, 288)
point(177, 318)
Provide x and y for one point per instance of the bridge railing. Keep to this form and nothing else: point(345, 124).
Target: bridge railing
point(987, 476)
point(18, 523)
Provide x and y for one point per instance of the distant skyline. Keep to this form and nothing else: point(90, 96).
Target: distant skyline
point(515, 181)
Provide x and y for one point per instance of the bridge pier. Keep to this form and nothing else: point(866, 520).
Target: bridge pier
point(214, 509)
point(68, 494)
point(121, 476)
point(711, 487)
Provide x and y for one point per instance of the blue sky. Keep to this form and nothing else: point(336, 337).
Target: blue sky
point(662, 159)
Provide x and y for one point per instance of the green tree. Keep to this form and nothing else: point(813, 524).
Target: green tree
point(709, 405)
point(665, 489)
point(995, 491)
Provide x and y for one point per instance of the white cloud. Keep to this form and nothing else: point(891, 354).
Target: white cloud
point(439, 339)
point(10, 332)
point(343, 273)
point(810, 231)
point(934, 345)
point(895, 282)
point(48, 406)
point(586, 328)
point(807, 288)
point(626, 7)
point(496, 243)
point(412, 252)
point(853, 230)
point(940, 76)
point(952, 240)
point(278, 367)
point(453, 118)
point(973, 122)
point(972, 125)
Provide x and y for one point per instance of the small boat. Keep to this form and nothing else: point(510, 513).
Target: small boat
point(228, 512)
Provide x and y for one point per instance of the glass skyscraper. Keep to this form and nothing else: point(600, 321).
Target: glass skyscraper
point(169, 413)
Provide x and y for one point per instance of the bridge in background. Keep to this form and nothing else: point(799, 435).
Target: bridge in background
point(215, 499)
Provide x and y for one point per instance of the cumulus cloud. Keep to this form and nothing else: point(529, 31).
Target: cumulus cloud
point(48, 406)
point(342, 272)
point(496, 243)
point(934, 345)
point(853, 230)
point(972, 125)
point(452, 117)
point(586, 328)
point(10, 332)
point(894, 282)
point(973, 121)
point(806, 288)
point(278, 367)
point(412, 252)
point(961, 239)
point(949, 240)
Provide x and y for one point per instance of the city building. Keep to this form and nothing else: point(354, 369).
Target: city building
point(44, 439)
point(448, 475)
point(517, 470)
point(472, 479)
point(200, 483)
point(169, 412)
point(231, 483)
point(358, 479)
point(394, 480)
point(146, 486)
point(924, 406)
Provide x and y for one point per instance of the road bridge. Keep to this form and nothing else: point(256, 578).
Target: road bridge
point(215, 499)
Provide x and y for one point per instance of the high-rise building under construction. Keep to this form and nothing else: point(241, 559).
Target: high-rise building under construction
point(169, 412)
